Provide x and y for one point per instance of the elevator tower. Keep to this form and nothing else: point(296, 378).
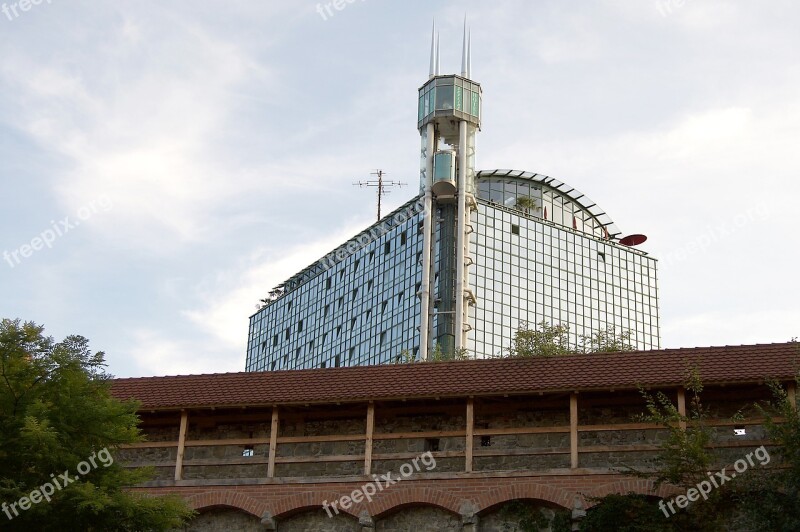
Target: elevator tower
point(448, 119)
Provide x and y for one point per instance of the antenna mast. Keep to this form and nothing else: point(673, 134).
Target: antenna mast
point(381, 185)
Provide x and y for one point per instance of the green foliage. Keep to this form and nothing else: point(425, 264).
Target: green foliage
point(684, 457)
point(436, 354)
point(545, 341)
point(626, 513)
point(55, 412)
point(527, 203)
point(770, 497)
point(607, 341)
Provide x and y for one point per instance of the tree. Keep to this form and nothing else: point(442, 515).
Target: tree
point(607, 341)
point(58, 422)
point(770, 497)
point(546, 341)
point(527, 204)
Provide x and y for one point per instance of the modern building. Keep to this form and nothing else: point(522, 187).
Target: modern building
point(462, 266)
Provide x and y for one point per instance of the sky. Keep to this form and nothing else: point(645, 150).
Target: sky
point(163, 165)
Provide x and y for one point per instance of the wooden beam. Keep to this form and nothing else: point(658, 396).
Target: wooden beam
point(682, 405)
point(273, 442)
point(573, 429)
point(368, 438)
point(791, 393)
point(469, 435)
point(181, 445)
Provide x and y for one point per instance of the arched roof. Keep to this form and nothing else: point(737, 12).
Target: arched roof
point(564, 189)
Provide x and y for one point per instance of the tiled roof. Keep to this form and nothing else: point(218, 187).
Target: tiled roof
point(729, 364)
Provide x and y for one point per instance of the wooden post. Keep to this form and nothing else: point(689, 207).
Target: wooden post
point(368, 439)
point(573, 429)
point(469, 440)
point(791, 392)
point(682, 405)
point(181, 445)
point(273, 442)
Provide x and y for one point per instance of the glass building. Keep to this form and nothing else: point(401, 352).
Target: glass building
point(483, 253)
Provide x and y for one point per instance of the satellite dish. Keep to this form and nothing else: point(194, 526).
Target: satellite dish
point(632, 240)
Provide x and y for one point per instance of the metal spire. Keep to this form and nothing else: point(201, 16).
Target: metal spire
point(437, 53)
point(434, 59)
point(469, 54)
point(464, 67)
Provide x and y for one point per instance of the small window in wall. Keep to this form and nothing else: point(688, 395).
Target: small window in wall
point(739, 430)
point(601, 256)
point(275, 341)
point(288, 333)
point(387, 247)
point(403, 238)
point(248, 451)
point(514, 229)
point(325, 312)
point(328, 284)
point(486, 441)
point(431, 444)
point(300, 326)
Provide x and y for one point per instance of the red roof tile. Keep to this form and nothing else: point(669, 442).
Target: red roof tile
point(729, 364)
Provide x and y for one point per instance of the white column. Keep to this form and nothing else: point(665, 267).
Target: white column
point(427, 242)
point(461, 233)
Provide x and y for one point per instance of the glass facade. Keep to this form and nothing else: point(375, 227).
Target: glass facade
point(541, 251)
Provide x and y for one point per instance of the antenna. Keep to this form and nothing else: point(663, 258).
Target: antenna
point(381, 185)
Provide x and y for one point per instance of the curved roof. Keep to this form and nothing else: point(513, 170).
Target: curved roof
point(569, 192)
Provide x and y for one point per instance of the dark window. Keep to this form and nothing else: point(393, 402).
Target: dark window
point(322, 365)
point(403, 238)
point(288, 333)
point(325, 313)
point(383, 337)
point(328, 283)
point(383, 306)
point(387, 247)
point(275, 340)
point(486, 441)
point(400, 296)
point(337, 361)
point(355, 265)
point(300, 326)
point(514, 229)
point(431, 444)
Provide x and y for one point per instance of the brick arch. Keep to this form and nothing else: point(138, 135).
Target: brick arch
point(396, 498)
point(530, 490)
point(308, 500)
point(229, 498)
point(640, 486)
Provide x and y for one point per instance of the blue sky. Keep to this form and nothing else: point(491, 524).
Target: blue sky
point(207, 151)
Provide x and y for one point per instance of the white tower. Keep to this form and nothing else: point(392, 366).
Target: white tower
point(448, 119)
